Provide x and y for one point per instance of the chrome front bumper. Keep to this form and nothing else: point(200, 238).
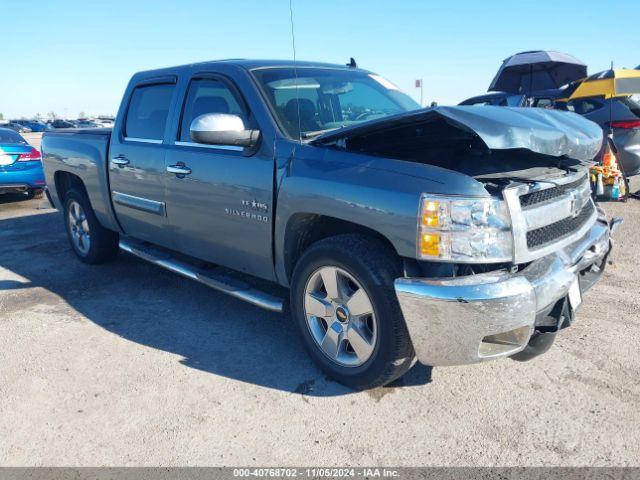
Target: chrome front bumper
point(463, 320)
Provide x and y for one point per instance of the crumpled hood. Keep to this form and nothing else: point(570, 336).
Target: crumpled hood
point(548, 132)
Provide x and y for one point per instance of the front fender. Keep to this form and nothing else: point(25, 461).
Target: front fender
point(379, 194)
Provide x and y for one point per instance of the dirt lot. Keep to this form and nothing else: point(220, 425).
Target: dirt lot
point(126, 364)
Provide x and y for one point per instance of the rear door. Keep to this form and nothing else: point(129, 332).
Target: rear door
point(222, 210)
point(137, 161)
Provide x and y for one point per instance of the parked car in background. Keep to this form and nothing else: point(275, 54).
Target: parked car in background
point(498, 99)
point(59, 123)
point(450, 235)
point(86, 123)
point(105, 122)
point(611, 99)
point(16, 127)
point(539, 99)
point(34, 125)
point(621, 115)
point(20, 165)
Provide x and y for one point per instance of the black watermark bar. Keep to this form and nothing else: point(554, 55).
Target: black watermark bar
point(206, 473)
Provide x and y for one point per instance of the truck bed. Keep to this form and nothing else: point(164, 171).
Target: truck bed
point(83, 153)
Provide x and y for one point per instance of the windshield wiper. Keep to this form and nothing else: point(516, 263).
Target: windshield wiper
point(317, 133)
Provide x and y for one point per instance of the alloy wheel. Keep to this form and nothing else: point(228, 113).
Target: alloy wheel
point(79, 227)
point(340, 316)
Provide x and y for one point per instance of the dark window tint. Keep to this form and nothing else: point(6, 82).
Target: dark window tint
point(207, 95)
point(148, 110)
point(584, 106)
point(632, 102)
point(514, 100)
point(9, 136)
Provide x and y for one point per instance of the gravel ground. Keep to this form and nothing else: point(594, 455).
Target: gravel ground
point(126, 364)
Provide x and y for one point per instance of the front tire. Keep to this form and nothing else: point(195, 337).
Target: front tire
point(347, 313)
point(91, 242)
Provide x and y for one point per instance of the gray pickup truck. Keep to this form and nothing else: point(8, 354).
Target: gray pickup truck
point(448, 236)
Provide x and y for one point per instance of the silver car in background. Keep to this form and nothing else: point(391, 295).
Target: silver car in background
point(621, 115)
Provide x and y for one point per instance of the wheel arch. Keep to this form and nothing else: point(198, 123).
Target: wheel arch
point(305, 229)
point(65, 181)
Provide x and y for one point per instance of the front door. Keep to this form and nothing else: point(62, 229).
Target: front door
point(221, 210)
point(137, 169)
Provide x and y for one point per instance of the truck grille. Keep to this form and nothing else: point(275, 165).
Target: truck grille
point(560, 229)
point(540, 196)
point(547, 216)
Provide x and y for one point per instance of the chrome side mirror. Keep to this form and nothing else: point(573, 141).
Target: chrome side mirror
point(222, 129)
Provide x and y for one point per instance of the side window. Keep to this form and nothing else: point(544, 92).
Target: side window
point(514, 100)
point(208, 95)
point(584, 106)
point(543, 103)
point(148, 110)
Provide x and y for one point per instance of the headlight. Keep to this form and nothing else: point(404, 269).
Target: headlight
point(465, 230)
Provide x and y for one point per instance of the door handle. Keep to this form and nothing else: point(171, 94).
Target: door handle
point(179, 169)
point(120, 160)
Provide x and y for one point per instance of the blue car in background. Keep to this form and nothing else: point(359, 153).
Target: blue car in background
point(34, 125)
point(20, 165)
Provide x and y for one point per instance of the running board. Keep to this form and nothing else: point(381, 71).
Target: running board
point(222, 283)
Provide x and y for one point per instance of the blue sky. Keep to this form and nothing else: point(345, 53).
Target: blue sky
point(71, 56)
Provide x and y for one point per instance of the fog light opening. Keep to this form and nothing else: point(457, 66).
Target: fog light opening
point(504, 343)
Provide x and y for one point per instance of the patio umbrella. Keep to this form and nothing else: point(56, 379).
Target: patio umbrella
point(537, 70)
point(609, 83)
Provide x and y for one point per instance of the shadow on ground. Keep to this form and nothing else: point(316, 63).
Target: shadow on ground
point(7, 198)
point(147, 305)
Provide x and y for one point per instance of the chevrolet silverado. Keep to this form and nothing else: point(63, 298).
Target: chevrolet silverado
point(393, 233)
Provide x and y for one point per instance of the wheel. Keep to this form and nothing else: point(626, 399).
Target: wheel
point(91, 242)
point(345, 307)
point(37, 193)
point(33, 193)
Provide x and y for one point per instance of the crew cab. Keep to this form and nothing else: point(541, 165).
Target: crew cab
point(393, 234)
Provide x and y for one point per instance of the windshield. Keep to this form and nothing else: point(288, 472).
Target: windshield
point(328, 98)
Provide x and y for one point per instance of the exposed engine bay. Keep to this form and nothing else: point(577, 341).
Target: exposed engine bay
point(493, 145)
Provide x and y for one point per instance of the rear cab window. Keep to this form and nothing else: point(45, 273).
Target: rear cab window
point(148, 110)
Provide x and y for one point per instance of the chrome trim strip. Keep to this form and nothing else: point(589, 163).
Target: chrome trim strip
point(232, 148)
point(143, 140)
point(248, 294)
point(139, 203)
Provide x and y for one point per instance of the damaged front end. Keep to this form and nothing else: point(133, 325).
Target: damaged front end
point(537, 226)
point(483, 142)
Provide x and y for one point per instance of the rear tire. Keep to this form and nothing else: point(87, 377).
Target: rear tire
point(90, 241)
point(333, 325)
point(36, 193)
